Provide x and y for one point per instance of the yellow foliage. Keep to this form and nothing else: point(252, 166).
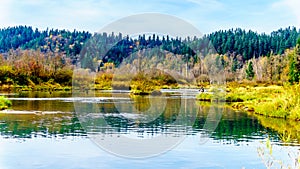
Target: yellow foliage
point(109, 65)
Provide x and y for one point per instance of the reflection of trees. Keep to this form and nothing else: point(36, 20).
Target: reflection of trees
point(177, 112)
point(31, 125)
point(288, 130)
point(141, 103)
point(233, 125)
point(238, 127)
point(159, 117)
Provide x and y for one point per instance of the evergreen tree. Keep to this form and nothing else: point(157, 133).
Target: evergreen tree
point(234, 66)
point(249, 71)
point(294, 64)
point(114, 48)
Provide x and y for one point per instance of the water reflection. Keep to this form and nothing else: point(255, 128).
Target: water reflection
point(126, 116)
point(31, 125)
point(233, 144)
point(137, 114)
point(288, 131)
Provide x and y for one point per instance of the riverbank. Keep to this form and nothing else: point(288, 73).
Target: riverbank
point(270, 100)
point(137, 87)
point(267, 100)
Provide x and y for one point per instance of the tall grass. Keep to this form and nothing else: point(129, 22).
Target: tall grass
point(270, 101)
point(284, 104)
point(4, 103)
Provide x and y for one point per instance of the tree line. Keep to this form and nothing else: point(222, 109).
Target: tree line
point(248, 44)
point(35, 57)
point(49, 40)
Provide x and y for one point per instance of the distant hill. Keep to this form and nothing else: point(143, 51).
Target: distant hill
point(250, 44)
point(233, 42)
point(25, 37)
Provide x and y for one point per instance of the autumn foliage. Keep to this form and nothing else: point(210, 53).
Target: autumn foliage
point(27, 67)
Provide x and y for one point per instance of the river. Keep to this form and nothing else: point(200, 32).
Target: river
point(109, 129)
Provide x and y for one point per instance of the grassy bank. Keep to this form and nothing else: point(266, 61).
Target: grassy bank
point(4, 103)
point(270, 101)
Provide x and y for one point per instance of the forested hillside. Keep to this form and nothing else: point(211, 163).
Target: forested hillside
point(25, 37)
point(248, 44)
point(30, 57)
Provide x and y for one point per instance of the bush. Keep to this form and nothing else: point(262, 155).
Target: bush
point(6, 72)
point(64, 76)
point(205, 97)
point(142, 85)
point(4, 103)
point(103, 81)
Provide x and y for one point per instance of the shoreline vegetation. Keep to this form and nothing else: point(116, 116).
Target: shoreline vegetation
point(262, 99)
point(4, 103)
point(262, 71)
point(269, 100)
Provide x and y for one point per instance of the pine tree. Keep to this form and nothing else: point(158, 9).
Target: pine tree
point(249, 71)
point(294, 64)
point(234, 66)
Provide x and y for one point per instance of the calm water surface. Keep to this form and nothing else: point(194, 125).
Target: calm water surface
point(55, 133)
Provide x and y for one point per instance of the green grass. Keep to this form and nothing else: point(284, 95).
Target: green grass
point(284, 103)
point(215, 93)
point(4, 103)
point(271, 101)
point(205, 97)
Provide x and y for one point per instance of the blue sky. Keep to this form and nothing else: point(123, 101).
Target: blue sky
point(206, 15)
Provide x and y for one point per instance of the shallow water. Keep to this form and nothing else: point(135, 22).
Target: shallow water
point(75, 132)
